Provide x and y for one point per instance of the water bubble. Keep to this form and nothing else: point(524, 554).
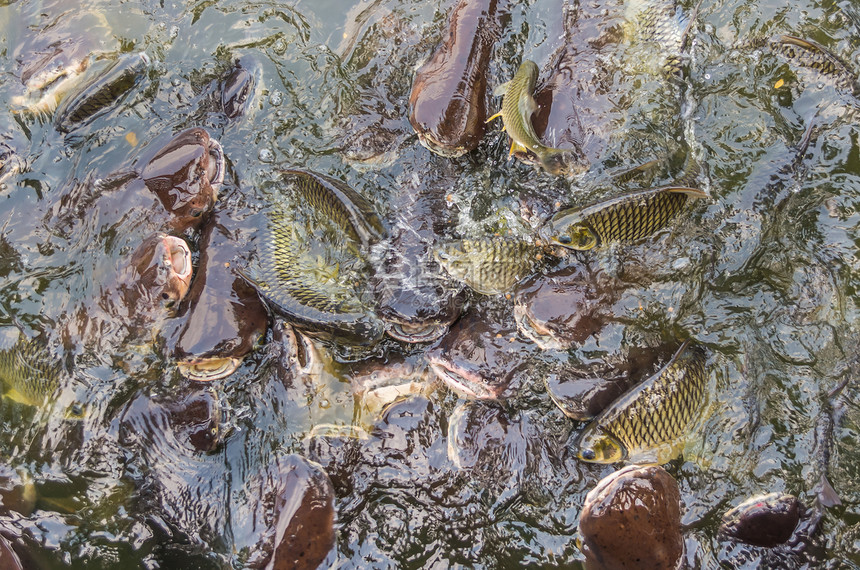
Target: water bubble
point(174, 31)
point(707, 76)
point(176, 81)
point(266, 155)
point(280, 47)
point(276, 98)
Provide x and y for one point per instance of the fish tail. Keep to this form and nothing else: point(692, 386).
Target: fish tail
point(827, 495)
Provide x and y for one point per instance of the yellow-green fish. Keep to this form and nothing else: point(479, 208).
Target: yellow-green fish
point(625, 218)
point(315, 295)
point(810, 54)
point(659, 22)
point(488, 265)
point(335, 200)
point(518, 105)
point(30, 374)
point(647, 422)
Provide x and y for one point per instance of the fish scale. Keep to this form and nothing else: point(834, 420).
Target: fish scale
point(626, 218)
point(659, 410)
point(488, 265)
point(810, 54)
point(284, 279)
point(29, 372)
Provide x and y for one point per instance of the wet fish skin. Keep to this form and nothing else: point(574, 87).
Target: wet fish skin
point(657, 21)
point(29, 372)
point(448, 96)
point(815, 56)
point(651, 415)
point(488, 265)
point(338, 202)
point(626, 218)
point(518, 106)
point(100, 91)
point(290, 289)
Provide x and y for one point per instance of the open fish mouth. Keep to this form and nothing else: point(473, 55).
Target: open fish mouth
point(215, 169)
point(415, 333)
point(468, 383)
point(178, 258)
point(208, 369)
point(540, 335)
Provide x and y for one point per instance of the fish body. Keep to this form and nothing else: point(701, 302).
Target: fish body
point(100, 91)
point(518, 106)
point(808, 53)
point(337, 202)
point(448, 97)
point(648, 419)
point(659, 22)
point(489, 265)
point(29, 373)
point(625, 218)
point(331, 306)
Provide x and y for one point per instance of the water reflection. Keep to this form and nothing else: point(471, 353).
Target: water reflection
point(157, 471)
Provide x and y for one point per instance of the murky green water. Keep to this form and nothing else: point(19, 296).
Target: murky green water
point(764, 275)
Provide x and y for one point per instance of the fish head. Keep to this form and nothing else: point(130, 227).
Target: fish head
point(185, 175)
point(578, 237)
point(158, 275)
point(565, 162)
point(595, 446)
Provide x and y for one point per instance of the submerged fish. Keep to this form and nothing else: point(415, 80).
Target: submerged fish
point(330, 306)
point(101, 90)
point(518, 106)
point(646, 421)
point(30, 374)
point(490, 265)
point(810, 54)
point(625, 218)
point(659, 22)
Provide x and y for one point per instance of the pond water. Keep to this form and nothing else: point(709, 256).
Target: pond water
point(763, 274)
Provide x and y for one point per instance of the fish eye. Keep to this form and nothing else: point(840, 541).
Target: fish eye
point(565, 239)
point(196, 213)
point(588, 454)
point(165, 296)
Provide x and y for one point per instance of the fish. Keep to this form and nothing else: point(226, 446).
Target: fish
point(447, 100)
point(645, 422)
point(490, 265)
point(518, 105)
point(329, 307)
point(625, 218)
point(338, 202)
point(30, 374)
point(100, 91)
point(659, 22)
point(808, 53)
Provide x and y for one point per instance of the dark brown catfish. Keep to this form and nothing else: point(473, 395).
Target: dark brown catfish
point(449, 94)
point(224, 317)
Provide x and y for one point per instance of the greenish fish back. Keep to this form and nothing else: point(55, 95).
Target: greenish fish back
point(659, 410)
point(490, 265)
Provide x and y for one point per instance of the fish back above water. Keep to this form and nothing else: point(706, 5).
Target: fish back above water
point(490, 265)
point(651, 416)
point(625, 218)
point(100, 91)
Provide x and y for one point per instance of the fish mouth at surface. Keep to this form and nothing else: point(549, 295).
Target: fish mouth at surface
point(417, 333)
point(215, 169)
point(463, 381)
point(178, 258)
point(208, 369)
